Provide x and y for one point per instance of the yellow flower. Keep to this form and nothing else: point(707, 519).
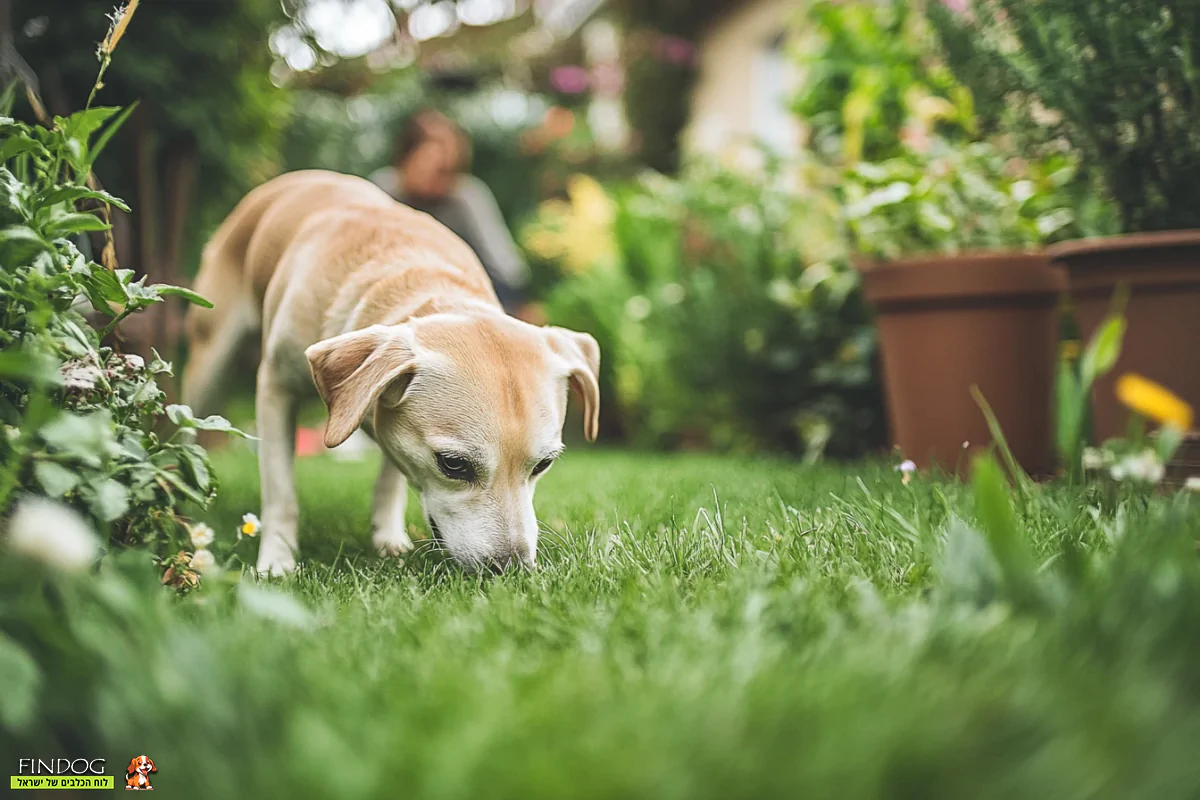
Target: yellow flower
point(577, 233)
point(1154, 402)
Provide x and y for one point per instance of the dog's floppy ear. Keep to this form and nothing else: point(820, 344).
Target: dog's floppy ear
point(151, 762)
point(352, 370)
point(132, 768)
point(582, 354)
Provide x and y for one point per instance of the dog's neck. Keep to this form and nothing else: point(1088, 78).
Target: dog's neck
point(394, 297)
point(427, 306)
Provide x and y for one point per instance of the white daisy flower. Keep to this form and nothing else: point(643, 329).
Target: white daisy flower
point(203, 560)
point(202, 535)
point(50, 532)
point(1192, 484)
point(1144, 467)
point(1093, 458)
point(250, 525)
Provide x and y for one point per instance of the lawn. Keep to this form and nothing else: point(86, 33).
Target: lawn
point(699, 627)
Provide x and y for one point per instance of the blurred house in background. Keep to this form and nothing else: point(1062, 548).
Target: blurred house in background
point(746, 81)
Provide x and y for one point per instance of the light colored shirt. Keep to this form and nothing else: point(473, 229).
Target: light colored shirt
point(471, 211)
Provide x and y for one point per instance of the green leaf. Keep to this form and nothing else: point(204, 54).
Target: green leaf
point(195, 465)
point(23, 365)
point(183, 417)
point(103, 287)
point(1102, 351)
point(82, 124)
point(72, 194)
point(16, 145)
point(19, 244)
point(13, 194)
point(166, 290)
point(21, 679)
point(187, 491)
point(74, 222)
point(995, 512)
point(55, 479)
point(109, 500)
point(1070, 405)
point(1024, 482)
point(102, 141)
point(86, 439)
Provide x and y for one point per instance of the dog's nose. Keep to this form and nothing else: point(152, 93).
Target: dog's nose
point(519, 554)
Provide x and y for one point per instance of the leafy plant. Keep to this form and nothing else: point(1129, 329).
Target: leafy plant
point(953, 199)
point(869, 83)
point(1074, 387)
point(81, 421)
point(726, 316)
point(1114, 78)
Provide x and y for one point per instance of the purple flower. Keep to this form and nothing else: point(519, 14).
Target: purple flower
point(570, 79)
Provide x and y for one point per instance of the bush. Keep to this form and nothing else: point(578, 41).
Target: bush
point(82, 422)
point(869, 83)
point(1114, 78)
point(956, 198)
point(724, 313)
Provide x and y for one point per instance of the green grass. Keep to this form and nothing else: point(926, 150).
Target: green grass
point(699, 627)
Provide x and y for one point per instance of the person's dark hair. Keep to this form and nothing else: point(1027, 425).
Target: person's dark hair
point(422, 126)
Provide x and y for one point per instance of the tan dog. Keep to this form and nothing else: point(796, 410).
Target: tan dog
point(394, 320)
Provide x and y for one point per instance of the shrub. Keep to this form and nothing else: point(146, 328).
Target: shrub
point(1114, 78)
point(955, 198)
point(869, 82)
point(83, 422)
point(725, 316)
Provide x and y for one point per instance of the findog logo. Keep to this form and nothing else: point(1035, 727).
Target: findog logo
point(60, 773)
point(137, 774)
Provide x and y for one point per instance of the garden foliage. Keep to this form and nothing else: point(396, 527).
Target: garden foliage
point(724, 313)
point(1113, 78)
point(83, 422)
point(868, 82)
point(956, 198)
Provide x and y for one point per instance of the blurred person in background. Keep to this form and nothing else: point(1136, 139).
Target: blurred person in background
point(429, 173)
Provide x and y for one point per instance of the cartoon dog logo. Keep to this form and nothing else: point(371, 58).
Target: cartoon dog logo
point(137, 774)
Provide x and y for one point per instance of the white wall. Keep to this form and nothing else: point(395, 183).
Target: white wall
point(745, 83)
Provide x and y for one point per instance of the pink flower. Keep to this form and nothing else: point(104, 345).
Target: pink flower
point(676, 50)
point(570, 80)
point(957, 6)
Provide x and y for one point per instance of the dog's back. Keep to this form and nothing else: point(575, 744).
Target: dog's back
point(249, 252)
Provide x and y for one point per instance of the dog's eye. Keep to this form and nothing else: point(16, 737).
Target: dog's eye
point(543, 465)
point(456, 468)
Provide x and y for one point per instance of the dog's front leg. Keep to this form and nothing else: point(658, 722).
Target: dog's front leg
point(276, 411)
point(391, 500)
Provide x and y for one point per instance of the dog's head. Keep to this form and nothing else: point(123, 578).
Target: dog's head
point(142, 765)
point(471, 410)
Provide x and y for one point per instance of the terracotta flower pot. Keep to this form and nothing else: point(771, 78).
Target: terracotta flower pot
point(1162, 342)
point(948, 323)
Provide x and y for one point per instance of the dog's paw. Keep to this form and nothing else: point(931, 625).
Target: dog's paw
point(391, 543)
point(275, 561)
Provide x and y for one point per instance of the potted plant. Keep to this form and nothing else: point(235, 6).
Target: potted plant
point(1116, 82)
point(948, 244)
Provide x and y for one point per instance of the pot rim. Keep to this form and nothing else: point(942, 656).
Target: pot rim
point(1189, 237)
point(916, 260)
point(1013, 277)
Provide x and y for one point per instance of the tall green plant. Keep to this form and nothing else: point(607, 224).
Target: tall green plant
point(1117, 79)
point(82, 422)
point(868, 75)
